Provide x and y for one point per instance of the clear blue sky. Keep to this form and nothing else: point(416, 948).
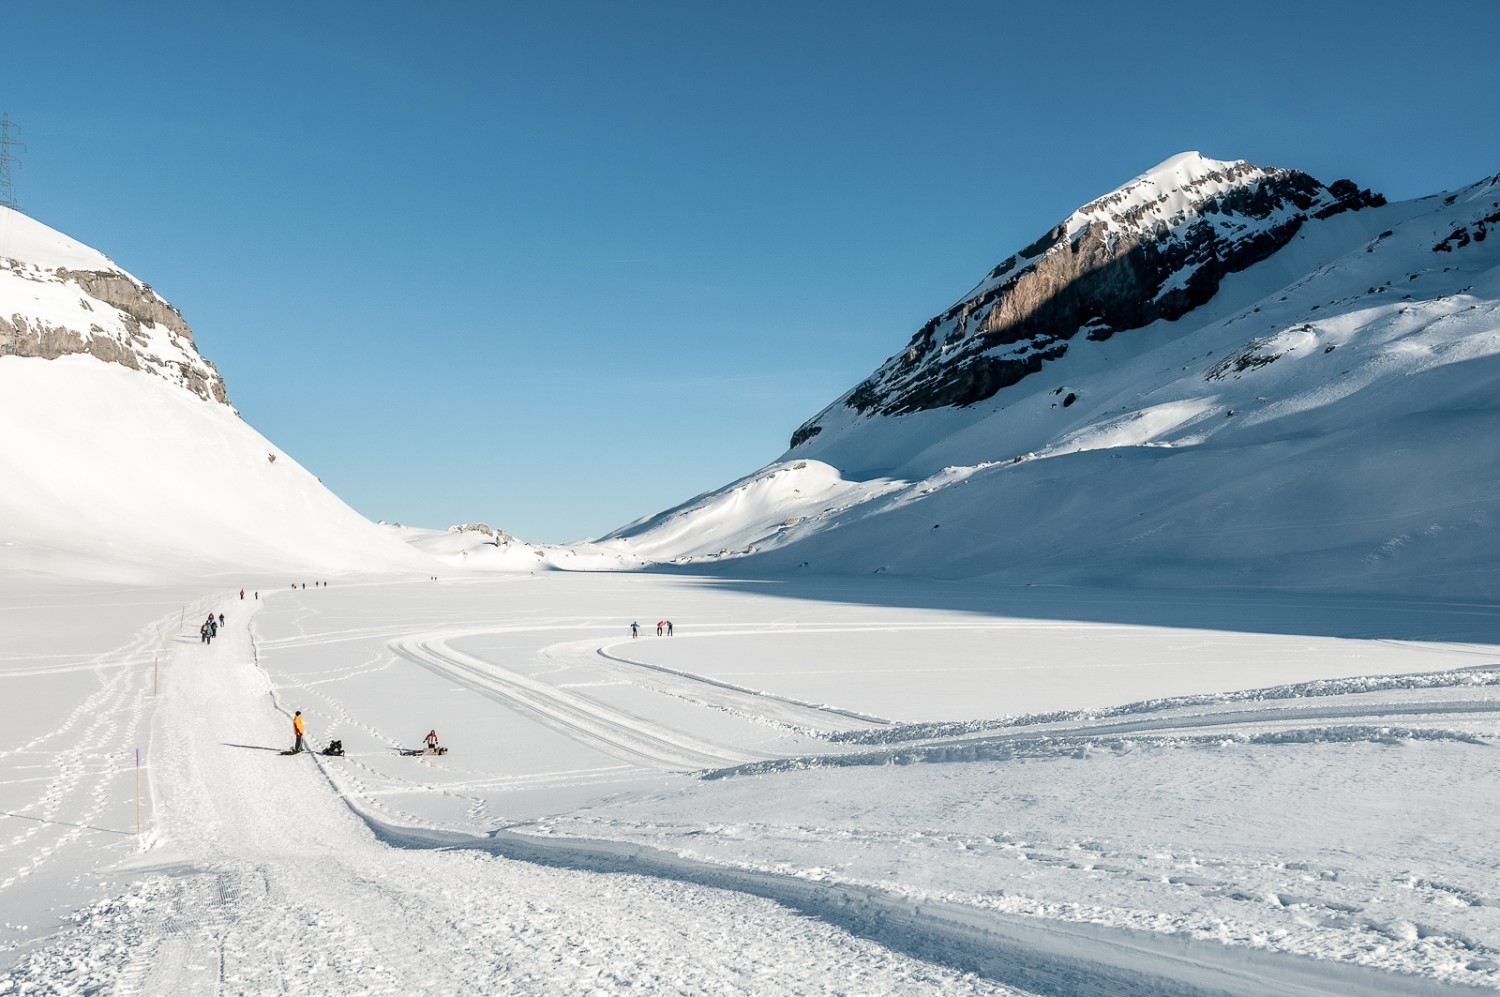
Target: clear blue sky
point(556, 266)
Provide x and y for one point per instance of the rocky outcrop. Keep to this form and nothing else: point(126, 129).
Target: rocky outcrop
point(1155, 249)
point(115, 319)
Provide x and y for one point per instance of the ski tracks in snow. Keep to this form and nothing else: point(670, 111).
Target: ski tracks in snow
point(580, 717)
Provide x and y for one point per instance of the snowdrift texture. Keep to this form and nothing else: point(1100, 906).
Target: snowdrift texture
point(124, 458)
point(1216, 374)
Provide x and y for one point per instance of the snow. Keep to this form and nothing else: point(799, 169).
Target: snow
point(675, 814)
point(1247, 748)
point(1288, 434)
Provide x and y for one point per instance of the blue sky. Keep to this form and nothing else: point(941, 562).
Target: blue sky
point(559, 266)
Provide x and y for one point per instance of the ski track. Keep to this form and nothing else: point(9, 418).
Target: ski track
point(764, 707)
point(275, 915)
point(587, 720)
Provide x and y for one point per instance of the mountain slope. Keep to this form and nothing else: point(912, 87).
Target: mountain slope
point(123, 456)
point(1326, 418)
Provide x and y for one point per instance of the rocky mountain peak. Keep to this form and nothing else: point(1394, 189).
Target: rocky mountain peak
point(1155, 248)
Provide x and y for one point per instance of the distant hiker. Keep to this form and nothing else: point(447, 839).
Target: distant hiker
point(634, 629)
point(257, 594)
point(430, 740)
point(298, 729)
point(659, 625)
point(304, 586)
point(221, 619)
point(242, 595)
point(669, 628)
point(203, 633)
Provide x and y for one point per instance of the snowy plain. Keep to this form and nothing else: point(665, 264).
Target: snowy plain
point(857, 786)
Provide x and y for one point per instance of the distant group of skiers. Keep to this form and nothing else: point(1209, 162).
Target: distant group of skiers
point(663, 628)
point(210, 628)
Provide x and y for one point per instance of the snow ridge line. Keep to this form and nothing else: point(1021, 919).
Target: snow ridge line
point(1479, 676)
point(1046, 958)
point(1079, 746)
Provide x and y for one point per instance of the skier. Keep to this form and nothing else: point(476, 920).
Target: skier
point(431, 740)
point(634, 628)
point(298, 729)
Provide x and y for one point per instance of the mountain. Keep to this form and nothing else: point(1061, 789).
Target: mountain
point(1217, 374)
point(122, 456)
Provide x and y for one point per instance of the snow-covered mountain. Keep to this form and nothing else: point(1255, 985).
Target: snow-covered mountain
point(1216, 374)
point(122, 453)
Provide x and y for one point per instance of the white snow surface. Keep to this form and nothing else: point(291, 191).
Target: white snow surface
point(877, 786)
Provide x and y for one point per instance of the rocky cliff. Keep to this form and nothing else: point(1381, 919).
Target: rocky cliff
point(1156, 248)
point(58, 298)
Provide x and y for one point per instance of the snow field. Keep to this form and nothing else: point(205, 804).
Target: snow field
point(1327, 838)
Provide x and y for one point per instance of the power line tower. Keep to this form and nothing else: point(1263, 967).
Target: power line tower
point(7, 186)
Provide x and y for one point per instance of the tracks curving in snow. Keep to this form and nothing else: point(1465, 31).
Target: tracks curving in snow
point(585, 719)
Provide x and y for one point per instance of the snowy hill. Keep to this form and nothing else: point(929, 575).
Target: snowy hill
point(124, 458)
point(1304, 397)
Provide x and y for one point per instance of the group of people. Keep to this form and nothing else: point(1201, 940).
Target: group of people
point(336, 748)
point(210, 628)
point(663, 628)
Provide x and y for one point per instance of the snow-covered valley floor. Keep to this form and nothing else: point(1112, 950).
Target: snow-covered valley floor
point(843, 787)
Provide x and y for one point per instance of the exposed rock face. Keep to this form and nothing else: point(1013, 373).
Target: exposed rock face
point(1154, 249)
point(104, 313)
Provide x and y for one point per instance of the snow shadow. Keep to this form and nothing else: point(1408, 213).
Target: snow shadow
point(1312, 614)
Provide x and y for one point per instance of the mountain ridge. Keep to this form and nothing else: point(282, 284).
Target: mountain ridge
point(1324, 420)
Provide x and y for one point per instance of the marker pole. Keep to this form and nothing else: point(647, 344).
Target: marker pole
point(137, 792)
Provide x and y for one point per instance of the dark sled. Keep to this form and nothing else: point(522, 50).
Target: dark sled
point(418, 752)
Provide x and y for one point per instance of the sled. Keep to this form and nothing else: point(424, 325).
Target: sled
point(418, 752)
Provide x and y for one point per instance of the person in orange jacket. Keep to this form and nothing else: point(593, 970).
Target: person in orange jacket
point(298, 729)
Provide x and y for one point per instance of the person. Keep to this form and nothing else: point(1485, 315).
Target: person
point(242, 595)
point(669, 628)
point(430, 740)
point(298, 729)
point(634, 627)
point(203, 633)
point(221, 619)
point(659, 625)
